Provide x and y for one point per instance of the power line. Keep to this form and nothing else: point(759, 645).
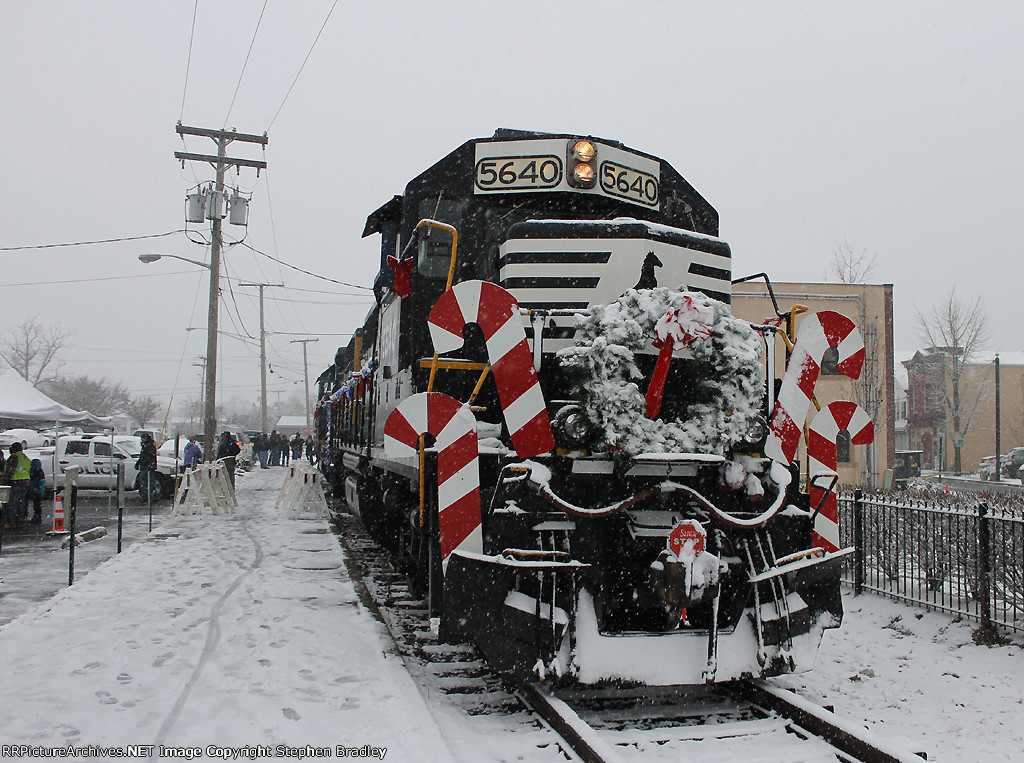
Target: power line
point(107, 278)
point(245, 63)
point(188, 63)
point(88, 243)
point(306, 272)
point(303, 65)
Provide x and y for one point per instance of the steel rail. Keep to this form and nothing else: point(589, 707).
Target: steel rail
point(845, 736)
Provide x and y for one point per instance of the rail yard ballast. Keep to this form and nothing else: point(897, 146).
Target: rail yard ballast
point(557, 428)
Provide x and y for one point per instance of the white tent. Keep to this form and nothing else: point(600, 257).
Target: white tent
point(20, 400)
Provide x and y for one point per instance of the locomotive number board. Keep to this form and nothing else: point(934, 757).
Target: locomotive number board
point(525, 166)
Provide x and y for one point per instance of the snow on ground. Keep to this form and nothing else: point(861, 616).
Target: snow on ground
point(230, 630)
point(244, 630)
point(918, 679)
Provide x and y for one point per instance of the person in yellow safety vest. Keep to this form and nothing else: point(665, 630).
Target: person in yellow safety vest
point(16, 474)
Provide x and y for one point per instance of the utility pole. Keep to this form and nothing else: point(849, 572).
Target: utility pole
point(220, 162)
point(263, 356)
point(305, 372)
point(202, 380)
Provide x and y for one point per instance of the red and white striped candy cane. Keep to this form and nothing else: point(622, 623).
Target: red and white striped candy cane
point(823, 434)
point(497, 313)
point(817, 333)
point(458, 473)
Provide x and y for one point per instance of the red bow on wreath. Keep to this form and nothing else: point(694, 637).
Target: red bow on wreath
point(677, 328)
point(402, 270)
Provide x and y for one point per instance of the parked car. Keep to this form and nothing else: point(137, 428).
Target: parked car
point(29, 438)
point(1011, 463)
point(97, 459)
point(987, 468)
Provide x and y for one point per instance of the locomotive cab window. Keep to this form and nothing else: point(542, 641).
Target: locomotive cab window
point(434, 247)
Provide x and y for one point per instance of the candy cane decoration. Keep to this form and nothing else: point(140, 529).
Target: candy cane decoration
point(675, 329)
point(497, 313)
point(823, 433)
point(818, 332)
point(458, 473)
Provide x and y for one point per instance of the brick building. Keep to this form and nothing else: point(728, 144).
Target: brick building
point(869, 306)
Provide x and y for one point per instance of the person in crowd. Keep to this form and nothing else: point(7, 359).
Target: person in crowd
point(296, 446)
point(309, 448)
point(36, 490)
point(275, 448)
point(227, 452)
point(16, 474)
point(146, 465)
point(261, 447)
point(285, 451)
point(193, 453)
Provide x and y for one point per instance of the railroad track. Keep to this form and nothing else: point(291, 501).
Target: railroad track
point(749, 721)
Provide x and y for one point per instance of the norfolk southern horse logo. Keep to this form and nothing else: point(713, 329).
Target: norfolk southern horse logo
point(648, 280)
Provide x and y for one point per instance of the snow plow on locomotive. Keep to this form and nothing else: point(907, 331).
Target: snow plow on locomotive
point(556, 426)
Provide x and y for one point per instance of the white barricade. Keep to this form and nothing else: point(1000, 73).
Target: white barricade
point(302, 494)
point(205, 489)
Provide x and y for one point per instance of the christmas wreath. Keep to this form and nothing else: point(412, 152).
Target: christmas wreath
point(722, 399)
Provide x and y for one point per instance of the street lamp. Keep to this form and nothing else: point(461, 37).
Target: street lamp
point(210, 411)
point(148, 258)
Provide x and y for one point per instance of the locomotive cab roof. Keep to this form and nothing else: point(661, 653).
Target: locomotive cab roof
point(677, 198)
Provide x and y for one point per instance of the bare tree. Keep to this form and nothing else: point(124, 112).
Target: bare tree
point(31, 349)
point(142, 409)
point(98, 396)
point(850, 266)
point(957, 330)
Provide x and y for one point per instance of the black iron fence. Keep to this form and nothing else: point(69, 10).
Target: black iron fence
point(959, 556)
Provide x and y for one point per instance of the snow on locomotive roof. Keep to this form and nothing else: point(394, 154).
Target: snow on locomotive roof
point(617, 221)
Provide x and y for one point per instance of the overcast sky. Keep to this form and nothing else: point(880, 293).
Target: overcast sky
point(892, 127)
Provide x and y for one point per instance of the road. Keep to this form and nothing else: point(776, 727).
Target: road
point(33, 566)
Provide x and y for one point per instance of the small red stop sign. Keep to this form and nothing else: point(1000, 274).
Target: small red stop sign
point(687, 531)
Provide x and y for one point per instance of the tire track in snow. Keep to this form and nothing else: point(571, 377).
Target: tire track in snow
point(212, 638)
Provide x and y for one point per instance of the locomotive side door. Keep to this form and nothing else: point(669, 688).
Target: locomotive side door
point(391, 380)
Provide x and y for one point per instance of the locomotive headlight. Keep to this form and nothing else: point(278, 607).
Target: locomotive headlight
point(756, 430)
point(571, 426)
point(580, 164)
point(584, 150)
point(585, 175)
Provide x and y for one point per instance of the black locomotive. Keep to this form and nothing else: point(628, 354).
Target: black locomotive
point(552, 421)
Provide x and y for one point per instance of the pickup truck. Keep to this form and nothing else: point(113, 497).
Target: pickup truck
point(97, 458)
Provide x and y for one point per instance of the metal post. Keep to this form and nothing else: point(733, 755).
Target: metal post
point(120, 505)
point(71, 530)
point(999, 467)
point(858, 541)
point(985, 566)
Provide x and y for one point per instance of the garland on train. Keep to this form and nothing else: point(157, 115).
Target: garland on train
point(721, 405)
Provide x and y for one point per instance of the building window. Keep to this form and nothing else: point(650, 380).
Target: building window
point(829, 361)
point(843, 446)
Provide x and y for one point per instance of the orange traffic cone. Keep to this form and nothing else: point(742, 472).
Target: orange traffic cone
point(947, 489)
point(58, 518)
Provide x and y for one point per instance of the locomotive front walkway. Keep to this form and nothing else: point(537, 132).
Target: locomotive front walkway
point(235, 631)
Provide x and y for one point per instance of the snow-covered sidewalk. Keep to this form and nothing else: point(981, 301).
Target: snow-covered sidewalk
point(231, 630)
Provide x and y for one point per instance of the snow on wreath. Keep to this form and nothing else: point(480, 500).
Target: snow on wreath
point(711, 401)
